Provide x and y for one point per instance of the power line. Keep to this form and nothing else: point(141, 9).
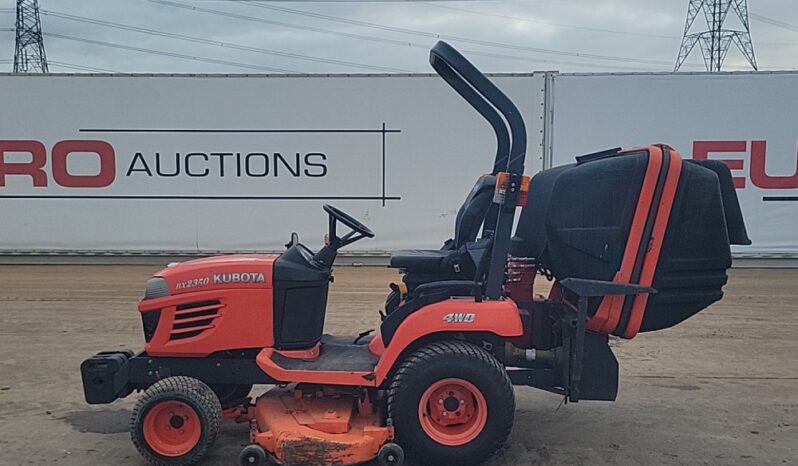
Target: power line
point(548, 23)
point(168, 54)
point(773, 22)
point(546, 61)
point(468, 40)
point(291, 55)
point(478, 53)
point(81, 67)
point(230, 45)
point(375, 39)
point(779, 44)
point(288, 25)
point(6, 61)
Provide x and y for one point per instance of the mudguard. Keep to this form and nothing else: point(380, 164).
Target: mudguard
point(454, 315)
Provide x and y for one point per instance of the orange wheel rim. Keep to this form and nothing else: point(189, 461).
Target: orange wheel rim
point(452, 412)
point(172, 428)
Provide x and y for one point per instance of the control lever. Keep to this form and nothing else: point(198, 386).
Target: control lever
point(294, 240)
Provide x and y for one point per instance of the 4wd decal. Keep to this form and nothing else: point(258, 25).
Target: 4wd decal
point(238, 277)
point(459, 317)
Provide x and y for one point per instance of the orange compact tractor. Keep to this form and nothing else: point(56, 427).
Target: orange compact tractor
point(635, 240)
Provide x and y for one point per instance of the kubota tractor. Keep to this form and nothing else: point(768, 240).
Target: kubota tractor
point(634, 240)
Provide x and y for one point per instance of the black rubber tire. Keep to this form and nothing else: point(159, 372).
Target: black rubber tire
point(231, 395)
point(450, 359)
point(195, 394)
point(253, 455)
point(391, 454)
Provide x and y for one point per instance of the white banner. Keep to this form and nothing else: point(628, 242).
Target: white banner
point(745, 119)
point(207, 163)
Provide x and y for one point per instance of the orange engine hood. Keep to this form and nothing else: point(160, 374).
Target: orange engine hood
point(245, 271)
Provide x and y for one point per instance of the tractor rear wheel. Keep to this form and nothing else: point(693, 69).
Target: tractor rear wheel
point(451, 402)
point(176, 421)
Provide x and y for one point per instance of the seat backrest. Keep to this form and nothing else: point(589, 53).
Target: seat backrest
point(473, 211)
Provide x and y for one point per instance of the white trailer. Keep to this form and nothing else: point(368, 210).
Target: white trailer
point(746, 119)
point(198, 164)
point(186, 164)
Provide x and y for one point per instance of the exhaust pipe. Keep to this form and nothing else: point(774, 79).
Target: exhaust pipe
point(529, 357)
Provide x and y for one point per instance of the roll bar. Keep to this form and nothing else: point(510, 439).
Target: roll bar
point(486, 99)
point(507, 123)
point(480, 105)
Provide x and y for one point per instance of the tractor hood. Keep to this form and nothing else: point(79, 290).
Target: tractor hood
point(245, 271)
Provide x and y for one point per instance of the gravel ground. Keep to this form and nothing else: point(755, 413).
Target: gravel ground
point(721, 388)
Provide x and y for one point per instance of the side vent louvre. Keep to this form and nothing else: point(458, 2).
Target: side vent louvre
point(193, 319)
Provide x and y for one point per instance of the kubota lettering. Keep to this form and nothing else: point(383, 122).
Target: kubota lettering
point(238, 277)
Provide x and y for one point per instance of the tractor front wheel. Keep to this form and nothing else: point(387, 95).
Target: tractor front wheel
point(451, 402)
point(176, 422)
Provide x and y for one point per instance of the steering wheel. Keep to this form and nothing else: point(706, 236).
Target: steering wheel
point(348, 220)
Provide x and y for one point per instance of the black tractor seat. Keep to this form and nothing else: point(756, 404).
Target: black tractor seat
point(426, 260)
point(453, 257)
point(423, 267)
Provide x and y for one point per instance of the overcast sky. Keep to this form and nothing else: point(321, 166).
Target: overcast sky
point(207, 36)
